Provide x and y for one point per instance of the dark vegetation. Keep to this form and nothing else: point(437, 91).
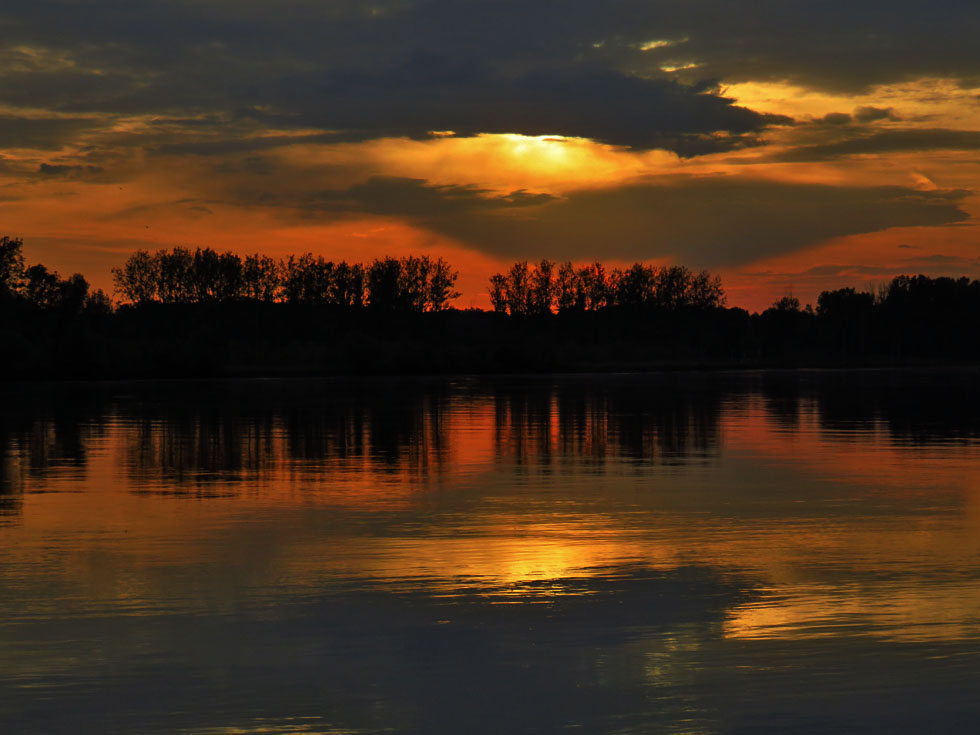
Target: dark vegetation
point(204, 313)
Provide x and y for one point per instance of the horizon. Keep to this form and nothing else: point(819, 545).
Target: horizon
point(272, 276)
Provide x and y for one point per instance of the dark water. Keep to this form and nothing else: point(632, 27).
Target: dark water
point(619, 554)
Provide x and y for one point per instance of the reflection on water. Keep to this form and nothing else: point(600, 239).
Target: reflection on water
point(679, 553)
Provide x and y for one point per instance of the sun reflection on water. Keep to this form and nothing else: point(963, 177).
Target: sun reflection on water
point(645, 527)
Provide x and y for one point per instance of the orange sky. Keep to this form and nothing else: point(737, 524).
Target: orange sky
point(783, 174)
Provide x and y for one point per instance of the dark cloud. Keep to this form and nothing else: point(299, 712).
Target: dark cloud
point(868, 114)
point(849, 270)
point(254, 165)
point(603, 105)
point(705, 221)
point(399, 69)
point(41, 133)
point(416, 198)
point(834, 45)
point(145, 53)
point(929, 264)
point(355, 70)
point(836, 118)
point(217, 146)
point(68, 171)
point(187, 207)
point(403, 68)
point(831, 274)
point(954, 261)
point(886, 141)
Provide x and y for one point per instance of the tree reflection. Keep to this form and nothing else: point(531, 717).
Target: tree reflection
point(640, 418)
point(46, 431)
point(227, 437)
point(209, 438)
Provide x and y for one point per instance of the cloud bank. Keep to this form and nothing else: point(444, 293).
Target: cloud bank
point(708, 221)
point(641, 74)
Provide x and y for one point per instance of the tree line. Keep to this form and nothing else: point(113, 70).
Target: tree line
point(396, 316)
point(909, 316)
point(42, 288)
point(180, 276)
point(547, 287)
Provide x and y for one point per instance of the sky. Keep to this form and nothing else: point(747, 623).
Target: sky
point(789, 146)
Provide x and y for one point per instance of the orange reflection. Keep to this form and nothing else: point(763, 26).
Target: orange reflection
point(836, 528)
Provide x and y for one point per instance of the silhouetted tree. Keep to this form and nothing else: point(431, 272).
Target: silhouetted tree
point(230, 281)
point(347, 286)
point(308, 279)
point(442, 282)
point(846, 319)
point(73, 293)
point(11, 266)
point(672, 288)
point(98, 304)
point(174, 273)
point(787, 304)
point(518, 290)
point(137, 279)
point(706, 292)
point(541, 291)
point(413, 284)
point(565, 287)
point(292, 280)
point(42, 287)
point(383, 280)
point(844, 304)
point(260, 278)
point(593, 287)
point(498, 293)
point(589, 288)
point(634, 286)
point(206, 274)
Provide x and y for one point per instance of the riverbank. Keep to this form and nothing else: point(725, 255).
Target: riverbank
point(251, 339)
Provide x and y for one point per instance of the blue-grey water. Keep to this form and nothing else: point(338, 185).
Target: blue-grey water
point(687, 553)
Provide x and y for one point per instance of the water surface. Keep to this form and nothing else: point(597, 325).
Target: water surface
point(692, 553)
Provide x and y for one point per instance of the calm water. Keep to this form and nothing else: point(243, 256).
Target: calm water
point(686, 553)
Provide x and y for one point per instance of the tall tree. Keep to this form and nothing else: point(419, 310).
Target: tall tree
point(11, 266)
point(173, 271)
point(541, 290)
point(634, 286)
point(206, 275)
point(42, 287)
point(230, 278)
point(593, 287)
point(260, 278)
point(442, 282)
point(565, 286)
point(498, 293)
point(672, 285)
point(518, 288)
point(413, 280)
point(137, 278)
point(383, 284)
point(73, 293)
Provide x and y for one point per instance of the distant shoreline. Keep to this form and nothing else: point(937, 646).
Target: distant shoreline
point(244, 340)
point(208, 314)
